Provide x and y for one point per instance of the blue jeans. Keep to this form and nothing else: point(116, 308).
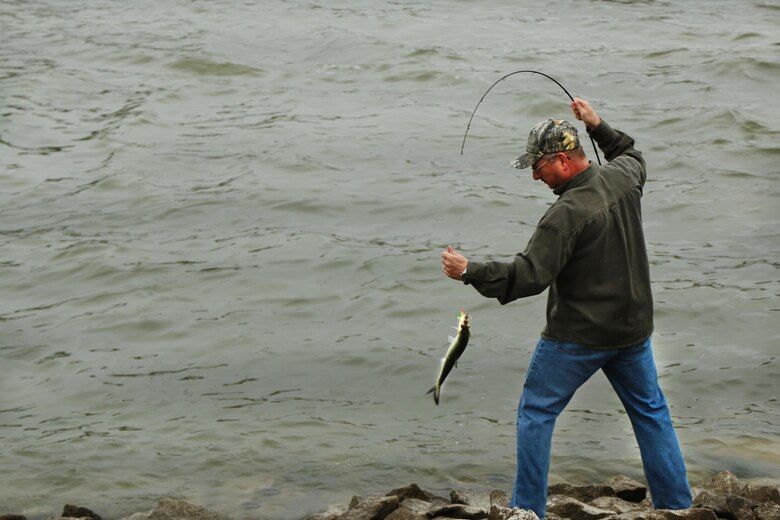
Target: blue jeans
point(557, 370)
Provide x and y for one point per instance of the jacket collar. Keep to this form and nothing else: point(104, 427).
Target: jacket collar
point(579, 179)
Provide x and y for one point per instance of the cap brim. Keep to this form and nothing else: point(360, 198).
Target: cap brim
point(524, 160)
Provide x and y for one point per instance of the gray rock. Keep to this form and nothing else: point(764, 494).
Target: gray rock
point(411, 509)
point(730, 507)
point(724, 483)
point(470, 499)
point(522, 514)
point(458, 511)
point(170, 509)
point(405, 514)
point(568, 507)
point(505, 513)
point(581, 493)
point(414, 491)
point(79, 512)
point(618, 505)
point(371, 507)
point(416, 506)
point(499, 498)
point(768, 511)
point(763, 494)
point(627, 488)
point(668, 514)
point(715, 503)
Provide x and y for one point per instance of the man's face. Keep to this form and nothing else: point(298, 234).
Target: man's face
point(550, 169)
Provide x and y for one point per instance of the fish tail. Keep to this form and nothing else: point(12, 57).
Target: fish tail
point(435, 391)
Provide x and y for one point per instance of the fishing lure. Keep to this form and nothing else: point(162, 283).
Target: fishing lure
point(502, 79)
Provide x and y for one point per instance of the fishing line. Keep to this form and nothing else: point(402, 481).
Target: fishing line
point(502, 79)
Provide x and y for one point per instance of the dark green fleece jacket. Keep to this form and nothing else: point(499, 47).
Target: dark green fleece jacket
point(589, 249)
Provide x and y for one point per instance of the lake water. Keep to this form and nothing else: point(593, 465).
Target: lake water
point(221, 223)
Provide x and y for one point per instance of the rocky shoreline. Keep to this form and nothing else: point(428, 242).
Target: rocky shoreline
point(620, 498)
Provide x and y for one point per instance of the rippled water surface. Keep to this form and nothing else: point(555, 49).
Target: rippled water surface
point(220, 225)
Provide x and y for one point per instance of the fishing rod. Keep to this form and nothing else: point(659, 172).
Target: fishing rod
point(502, 79)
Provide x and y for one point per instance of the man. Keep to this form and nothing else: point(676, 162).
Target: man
point(589, 250)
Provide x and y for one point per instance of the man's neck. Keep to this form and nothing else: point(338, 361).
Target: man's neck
point(580, 166)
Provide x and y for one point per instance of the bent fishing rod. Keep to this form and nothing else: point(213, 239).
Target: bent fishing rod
point(502, 79)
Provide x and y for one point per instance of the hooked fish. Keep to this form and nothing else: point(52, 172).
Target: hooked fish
point(455, 350)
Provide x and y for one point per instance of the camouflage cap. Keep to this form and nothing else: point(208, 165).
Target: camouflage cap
point(551, 136)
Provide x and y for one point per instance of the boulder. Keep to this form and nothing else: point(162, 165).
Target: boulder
point(505, 513)
point(484, 501)
point(615, 504)
point(667, 514)
point(627, 488)
point(318, 516)
point(769, 511)
point(730, 507)
point(723, 483)
point(716, 503)
point(416, 506)
point(170, 509)
point(499, 498)
point(568, 507)
point(370, 507)
point(470, 499)
point(411, 509)
point(405, 514)
point(458, 511)
point(414, 491)
point(79, 512)
point(763, 494)
point(582, 493)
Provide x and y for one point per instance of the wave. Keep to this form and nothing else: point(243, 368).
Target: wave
point(204, 67)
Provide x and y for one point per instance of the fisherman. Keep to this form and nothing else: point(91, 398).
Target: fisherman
point(589, 250)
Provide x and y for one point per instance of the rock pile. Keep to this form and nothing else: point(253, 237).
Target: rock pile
point(620, 498)
point(167, 509)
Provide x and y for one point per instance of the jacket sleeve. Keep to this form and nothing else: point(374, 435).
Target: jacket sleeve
point(529, 273)
point(619, 147)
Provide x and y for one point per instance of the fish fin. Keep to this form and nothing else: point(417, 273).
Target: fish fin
point(431, 390)
point(456, 364)
point(450, 339)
